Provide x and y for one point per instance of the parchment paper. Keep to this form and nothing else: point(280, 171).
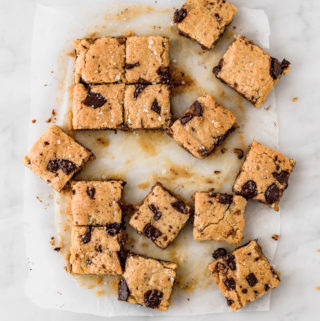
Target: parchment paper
point(139, 158)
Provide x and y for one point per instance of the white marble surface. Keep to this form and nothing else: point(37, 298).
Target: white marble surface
point(295, 28)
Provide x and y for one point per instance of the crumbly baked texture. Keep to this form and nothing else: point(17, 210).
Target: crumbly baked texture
point(147, 282)
point(56, 157)
point(203, 127)
point(100, 60)
point(219, 217)
point(96, 202)
point(264, 175)
point(147, 59)
point(161, 216)
point(243, 275)
point(147, 106)
point(204, 20)
point(250, 71)
point(97, 106)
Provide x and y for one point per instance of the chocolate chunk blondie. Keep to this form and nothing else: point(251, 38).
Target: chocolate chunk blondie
point(250, 71)
point(147, 106)
point(204, 20)
point(219, 217)
point(203, 127)
point(56, 157)
point(161, 216)
point(243, 275)
point(147, 282)
point(264, 175)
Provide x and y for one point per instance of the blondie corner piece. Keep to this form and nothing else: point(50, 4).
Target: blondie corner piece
point(56, 157)
point(243, 275)
point(203, 127)
point(161, 216)
point(219, 217)
point(204, 20)
point(147, 282)
point(264, 175)
point(250, 71)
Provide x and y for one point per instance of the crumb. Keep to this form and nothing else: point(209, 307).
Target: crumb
point(223, 150)
point(275, 237)
point(39, 199)
point(52, 118)
point(294, 99)
point(239, 152)
point(52, 241)
point(267, 108)
point(217, 172)
point(51, 71)
point(234, 27)
point(34, 121)
point(57, 249)
point(45, 85)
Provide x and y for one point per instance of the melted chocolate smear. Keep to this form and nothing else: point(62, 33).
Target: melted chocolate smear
point(164, 74)
point(186, 118)
point(218, 68)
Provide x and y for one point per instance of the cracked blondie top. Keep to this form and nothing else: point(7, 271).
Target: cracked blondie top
point(97, 106)
point(94, 250)
point(56, 157)
point(147, 59)
point(147, 106)
point(250, 71)
point(219, 217)
point(243, 275)
point(203, 127)
point(161, 216)
point(147, 282)
point(204, 20)
point(264, 175)
point(100, 60)
point(97, 203)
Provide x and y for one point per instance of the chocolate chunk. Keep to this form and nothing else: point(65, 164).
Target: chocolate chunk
point(113, 229)
point(230, 260)
point(186, 118)
point(94, 100)
point(229, 302)
point(66, 166)
point(225, 199)
point(164, 74)
point(266, 287)
point(179, 15)
point(152, 298)
point(220, 252)
point(131, 66)
point(272, 194)
point(91, 191)
point(139, 89)
point(156, 107)
point(157, 213)
point(239, 152)
point(285, 64)
point(230, 283)
point(53, 166)
point(251, 279)
point(180, 207)
point(87, 236)
point(281, 177)
point(197, 109)
point(123, 290)
point(151, 232)
point(275, 68)
point(244, 291)
point(249, 189)
point(218, 68)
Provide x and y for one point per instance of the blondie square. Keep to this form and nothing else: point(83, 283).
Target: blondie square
point(94, 250)
point(250, 71)
point(97, 106)
point(147, 59)
point(147, 106)
point(56, 157)
point(147, 282)
point(219, 217)
point(161, 216)
point(97, 203)
point(204, 20)
point(243, 275)
point(264, 175)
point(203, 127)
point(100, 60)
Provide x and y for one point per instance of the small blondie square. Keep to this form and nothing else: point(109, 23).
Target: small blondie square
point(250, 71)
point(203, 127)
point(56, 157)
point(219, 217)
point(94, 250)
point(147, 60)
point(161, 216)
point(243, 275)
point(147, 282)
point(98, 106)
point(97, 203)
point(204, 20)
point(147, 106)
point(264, 175)
point(100, 60)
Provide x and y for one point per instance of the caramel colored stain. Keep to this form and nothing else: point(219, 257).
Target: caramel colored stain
point(71, 54)
point(180, 80)
point(318, 288)
point(129, 13)
point(149, 141)
point(99, 293)
point(102, 141)
point(318, 250)
point(144, 185)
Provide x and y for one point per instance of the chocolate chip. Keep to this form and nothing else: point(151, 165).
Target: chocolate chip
point(94, 100)
point(113, 229)
point(91, 191)
point(57, 249)
point(46, 143)
point(229, 302)
point(218, 68)
point(180, 207)
point(99, 248)
point(266, 287)
point(152, 298)
point(230, 260)
point(157, 213)
point(179, 15)
point(123, 290)
point(139, 89)
point(251, 279)
point(239, 152)
point(244, 291)
point(66, 166)
point(87, 236)
point(131, 66)
point(220, 252)
point(151, 232)
point(186, 118)
point(230, 283)
point(249, 189)
point(281, 177)
point(275, 68)
point(197, 109)
point(225, 199)
point(164, 74)
point(272, 194)
point(53, 166)
point(285, 64)
point(156, 107)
